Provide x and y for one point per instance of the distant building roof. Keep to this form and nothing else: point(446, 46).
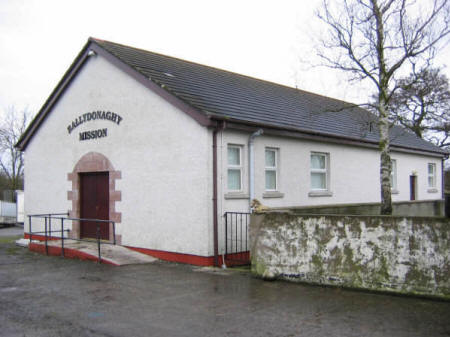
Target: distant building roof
point(223, 95)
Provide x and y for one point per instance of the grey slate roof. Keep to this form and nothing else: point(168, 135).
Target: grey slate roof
point(228, 95)
point(223, 95)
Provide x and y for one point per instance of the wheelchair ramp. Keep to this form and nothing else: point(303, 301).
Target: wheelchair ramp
point(84, 250)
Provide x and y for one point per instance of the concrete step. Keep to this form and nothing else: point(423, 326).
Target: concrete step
point(22, 242)
point(86, 250)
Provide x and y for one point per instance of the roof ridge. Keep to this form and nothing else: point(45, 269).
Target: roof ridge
point(297, 90)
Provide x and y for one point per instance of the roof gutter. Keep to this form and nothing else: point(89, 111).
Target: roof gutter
point(293, 132)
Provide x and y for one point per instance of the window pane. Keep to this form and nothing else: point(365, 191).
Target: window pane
point(431, 175)
point(234, 156)
point(270, 158)
point(394, 174)
point(271, 180)
point(318, 181)
point(317, 161)
point(430, 169)
point(234, 180)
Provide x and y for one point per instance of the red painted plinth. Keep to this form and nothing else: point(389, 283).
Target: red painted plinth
point(235, 259)
point(68, 253)
point(196, 260)
point(40, 237)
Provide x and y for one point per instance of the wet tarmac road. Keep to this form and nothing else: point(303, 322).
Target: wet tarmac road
point(51, 296)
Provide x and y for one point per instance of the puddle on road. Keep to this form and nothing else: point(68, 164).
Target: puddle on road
point(212, 270)
point(9, 289)
point(95, 314)
point(222, 271)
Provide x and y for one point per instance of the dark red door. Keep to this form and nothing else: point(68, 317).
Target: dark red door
point(413, 187)
point(94, 204)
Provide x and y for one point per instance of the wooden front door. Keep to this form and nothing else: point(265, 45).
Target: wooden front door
point(94, 204)
point(413, 187)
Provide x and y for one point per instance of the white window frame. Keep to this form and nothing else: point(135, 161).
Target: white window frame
point(393, 175)
point(432, 175)
point(235, 167)
point(271, 168)
point(326, 170)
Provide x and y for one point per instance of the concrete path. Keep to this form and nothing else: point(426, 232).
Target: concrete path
point(112, 254)
point(50, 296)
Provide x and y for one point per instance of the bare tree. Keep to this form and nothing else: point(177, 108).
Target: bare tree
point(378, 40)
point(422, 104)
point(11, 159)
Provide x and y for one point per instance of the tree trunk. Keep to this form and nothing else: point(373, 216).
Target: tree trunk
point(383, 86)
point(385, 161)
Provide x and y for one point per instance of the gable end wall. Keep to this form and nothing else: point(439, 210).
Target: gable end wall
point(164, 156)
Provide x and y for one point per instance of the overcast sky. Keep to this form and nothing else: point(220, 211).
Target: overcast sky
point(264, 39)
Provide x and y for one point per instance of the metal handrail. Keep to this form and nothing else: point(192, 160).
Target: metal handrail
point(67, 218)
point(56, 216)
point(236, 236)
point(48, 214)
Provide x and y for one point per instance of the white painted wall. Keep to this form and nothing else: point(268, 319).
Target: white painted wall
point(406, 165)
point(20, 207)
point(164, 155)
point(354, 173)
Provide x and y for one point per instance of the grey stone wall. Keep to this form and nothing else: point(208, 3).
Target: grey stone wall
point(398, 254)
point(402, 208)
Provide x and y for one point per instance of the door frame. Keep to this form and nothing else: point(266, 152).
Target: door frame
point(90, 163)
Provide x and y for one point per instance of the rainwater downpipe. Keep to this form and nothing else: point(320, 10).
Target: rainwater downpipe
point(443, 178)
point(251, 165)
point(219, 128)
point(215, 220)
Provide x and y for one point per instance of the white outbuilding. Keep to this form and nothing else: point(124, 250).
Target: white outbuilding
point(165, 147)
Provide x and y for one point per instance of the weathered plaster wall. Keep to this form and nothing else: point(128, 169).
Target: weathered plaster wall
point(401, 208)
point(399, 254)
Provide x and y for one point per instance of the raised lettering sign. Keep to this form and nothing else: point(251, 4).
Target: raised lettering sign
point(92, 116)
point(93, 134)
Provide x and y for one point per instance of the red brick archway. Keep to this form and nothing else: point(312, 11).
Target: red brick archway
point(94, 162)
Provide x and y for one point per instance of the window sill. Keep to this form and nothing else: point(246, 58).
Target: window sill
point(432, 190)
point(394, 191)
point(273, 194)
point(320, 194)
point(236, 195)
